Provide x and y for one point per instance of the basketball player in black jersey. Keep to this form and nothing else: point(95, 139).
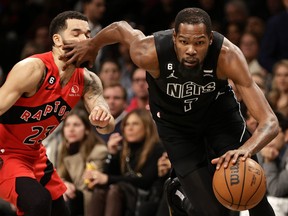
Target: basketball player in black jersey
point(193, 105)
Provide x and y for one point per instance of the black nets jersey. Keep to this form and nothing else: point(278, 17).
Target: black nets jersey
point(181, 100)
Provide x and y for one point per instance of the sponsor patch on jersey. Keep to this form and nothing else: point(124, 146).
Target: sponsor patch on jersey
point(74, 91)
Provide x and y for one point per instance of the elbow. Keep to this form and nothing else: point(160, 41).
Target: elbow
point(274, 126)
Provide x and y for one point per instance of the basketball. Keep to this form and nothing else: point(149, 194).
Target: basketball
point(240, 186)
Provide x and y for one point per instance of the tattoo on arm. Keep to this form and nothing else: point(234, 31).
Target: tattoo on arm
point(93, 91)
point(91, 88)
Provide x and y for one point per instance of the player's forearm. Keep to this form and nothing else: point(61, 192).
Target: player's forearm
point(117, 32)
point(264, 133)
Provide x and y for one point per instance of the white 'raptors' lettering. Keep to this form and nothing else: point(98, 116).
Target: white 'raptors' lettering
point(57, 109)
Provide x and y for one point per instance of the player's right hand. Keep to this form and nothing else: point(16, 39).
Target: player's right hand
point(231, 155)
point(100, 116)
point(79, 53)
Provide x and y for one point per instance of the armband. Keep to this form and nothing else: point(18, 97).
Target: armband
point(98, 127)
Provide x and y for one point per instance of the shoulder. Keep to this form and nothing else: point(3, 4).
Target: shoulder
point(89, 75)
point(29, 69)
point(229, 51)
point(231, 59)
point(31, 64)
point(91, 79)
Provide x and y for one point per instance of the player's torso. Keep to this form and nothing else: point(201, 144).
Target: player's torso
point(175, 97)
point(30, 120)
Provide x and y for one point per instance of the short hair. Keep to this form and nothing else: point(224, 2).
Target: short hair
point(193, 16)
point(59, 22)
point(109, 60)
point(119, 85)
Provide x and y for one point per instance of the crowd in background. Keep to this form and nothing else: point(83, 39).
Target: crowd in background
point(92, 165)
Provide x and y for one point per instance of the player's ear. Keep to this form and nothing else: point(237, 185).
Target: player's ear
point(174, 36)
point(211, 38)
point(57, 39)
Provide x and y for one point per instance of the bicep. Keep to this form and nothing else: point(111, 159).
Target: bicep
point(143, 53)
point(23, 78)
point(235, 67)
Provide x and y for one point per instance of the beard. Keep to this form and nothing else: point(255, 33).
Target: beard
point(187, 72)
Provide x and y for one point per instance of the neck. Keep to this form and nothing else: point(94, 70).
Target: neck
point(64, 74)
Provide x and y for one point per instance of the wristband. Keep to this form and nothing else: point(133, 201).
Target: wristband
point(98, 127)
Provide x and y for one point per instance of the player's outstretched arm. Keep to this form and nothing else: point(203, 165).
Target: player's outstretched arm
point(23, 79)
point(142, 48)
point(96, 105)
point(232, 65)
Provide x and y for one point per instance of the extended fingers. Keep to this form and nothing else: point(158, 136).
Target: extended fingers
point(99, 114)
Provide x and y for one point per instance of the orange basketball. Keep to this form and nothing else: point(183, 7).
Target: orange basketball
point(240, 186)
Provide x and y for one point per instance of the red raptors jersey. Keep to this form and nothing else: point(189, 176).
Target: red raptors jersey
point(31, 120)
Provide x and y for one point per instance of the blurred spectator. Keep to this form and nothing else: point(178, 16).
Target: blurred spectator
point(140, 90)
point(94, 10)
point(250, 46)
point(30, 48)
point(274, 7)
point(236, 11)
point(127, 68)
point(261, 81)
point(116, 98)
point(42, 38)
point(80, 146)
point(131, 171)
point(110, 72)
point(234, 32)
point(256, 25)
point(278, 96)
point(215, 10)
point(160, 16)
point(274, 43)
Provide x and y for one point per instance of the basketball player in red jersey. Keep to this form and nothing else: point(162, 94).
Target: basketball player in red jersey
point(35, 98)
point(192, 102)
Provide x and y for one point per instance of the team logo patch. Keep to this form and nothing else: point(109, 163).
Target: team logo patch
point(74, 91)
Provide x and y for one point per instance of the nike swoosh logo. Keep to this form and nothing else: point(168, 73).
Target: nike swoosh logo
point(49, 88)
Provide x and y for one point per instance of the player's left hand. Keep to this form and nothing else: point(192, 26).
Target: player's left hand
point(231, 155)
point(99, 116)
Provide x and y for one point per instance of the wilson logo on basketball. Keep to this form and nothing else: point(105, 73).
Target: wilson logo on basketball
point(74, 91)
point(234, 174)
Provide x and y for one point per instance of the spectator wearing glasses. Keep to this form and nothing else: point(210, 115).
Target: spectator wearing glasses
point(140, 89)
